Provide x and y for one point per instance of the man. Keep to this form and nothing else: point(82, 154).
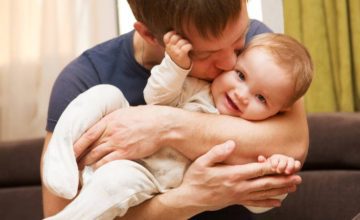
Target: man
point(217, 31)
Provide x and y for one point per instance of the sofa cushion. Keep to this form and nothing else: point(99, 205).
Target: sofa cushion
point(324, 194)
point(21, 203)
point(334, 141)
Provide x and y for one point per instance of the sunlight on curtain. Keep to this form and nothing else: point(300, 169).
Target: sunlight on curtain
point(37, 39)
point(330, 29)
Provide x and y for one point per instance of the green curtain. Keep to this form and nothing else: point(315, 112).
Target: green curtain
point(330, 29)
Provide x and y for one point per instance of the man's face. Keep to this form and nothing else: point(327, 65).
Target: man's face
point(213, 56)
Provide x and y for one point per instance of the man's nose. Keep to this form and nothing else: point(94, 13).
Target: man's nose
point(226, 60)
point(242, 95)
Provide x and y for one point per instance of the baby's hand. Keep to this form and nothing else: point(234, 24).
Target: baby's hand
point(178, 49)
point(282, 164)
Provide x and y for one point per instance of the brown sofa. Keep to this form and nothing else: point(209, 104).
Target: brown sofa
point(330, 188)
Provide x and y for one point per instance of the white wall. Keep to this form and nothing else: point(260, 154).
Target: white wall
point(273, 16)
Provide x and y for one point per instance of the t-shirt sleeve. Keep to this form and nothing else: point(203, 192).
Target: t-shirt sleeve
point(256, 27)
point(74, 79)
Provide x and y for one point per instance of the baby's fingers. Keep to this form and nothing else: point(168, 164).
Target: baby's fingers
point(290, 167)
point(168, 36)
point(282, 166)
point(293, 166)
point(261, 159)
point(297, 166)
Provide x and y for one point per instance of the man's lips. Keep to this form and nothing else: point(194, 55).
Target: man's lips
point(231, 103)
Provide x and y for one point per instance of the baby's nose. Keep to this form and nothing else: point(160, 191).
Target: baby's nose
point(242, 96)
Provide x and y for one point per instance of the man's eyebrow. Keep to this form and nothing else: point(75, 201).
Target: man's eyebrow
point(213, 51)
point(205, 51)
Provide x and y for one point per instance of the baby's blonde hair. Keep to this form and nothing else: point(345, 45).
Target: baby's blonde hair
point(290, 54)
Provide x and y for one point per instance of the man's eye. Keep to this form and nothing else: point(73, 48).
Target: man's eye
point(199, 56)
point(241, 75)
point(237, 52)
point(261, 98)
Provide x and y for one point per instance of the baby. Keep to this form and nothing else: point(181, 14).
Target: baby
point(271, 73)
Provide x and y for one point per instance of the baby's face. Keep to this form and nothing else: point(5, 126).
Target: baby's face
point(257, 89)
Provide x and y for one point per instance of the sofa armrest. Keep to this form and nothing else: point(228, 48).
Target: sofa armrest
point(334, 141)
point(331, 173)
point(20, 162)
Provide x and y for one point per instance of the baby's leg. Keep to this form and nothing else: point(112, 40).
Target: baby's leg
point(254, 209)
point(111, 190)
point(60, 172)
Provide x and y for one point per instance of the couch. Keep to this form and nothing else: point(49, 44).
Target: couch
point(330, 188)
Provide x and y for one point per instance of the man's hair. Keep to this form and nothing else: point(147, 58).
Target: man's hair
point(290, 54)
point(209, 17)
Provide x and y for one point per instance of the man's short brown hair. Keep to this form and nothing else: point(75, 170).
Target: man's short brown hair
point(209, 17)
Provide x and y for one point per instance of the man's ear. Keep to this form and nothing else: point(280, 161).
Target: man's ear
point(145, 33)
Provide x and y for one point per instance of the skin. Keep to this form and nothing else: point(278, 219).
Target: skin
point(213, 56)
point(128, 133)
point(253, 91)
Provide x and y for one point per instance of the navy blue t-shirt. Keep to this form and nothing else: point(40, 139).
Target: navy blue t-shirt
point(111, 62)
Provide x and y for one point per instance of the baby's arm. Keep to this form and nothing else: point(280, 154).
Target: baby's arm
point(282, 164)
point(165, 85)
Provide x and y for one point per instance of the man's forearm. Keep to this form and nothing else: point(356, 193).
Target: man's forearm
point(194, 133)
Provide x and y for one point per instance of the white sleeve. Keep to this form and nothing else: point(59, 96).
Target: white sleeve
point(165, 84)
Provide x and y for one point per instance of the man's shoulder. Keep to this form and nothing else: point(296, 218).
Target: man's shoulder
point(112, 46)
point(255, 28)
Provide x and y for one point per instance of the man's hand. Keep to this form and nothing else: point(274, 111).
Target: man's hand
point(216, 185)
point(129, 133)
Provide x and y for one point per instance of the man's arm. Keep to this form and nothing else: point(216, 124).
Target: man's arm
point(286, 133)
point(140, 131)
point(51, 203)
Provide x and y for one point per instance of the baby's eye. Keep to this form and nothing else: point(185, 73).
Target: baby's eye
point(241, 75)
point(261, 98)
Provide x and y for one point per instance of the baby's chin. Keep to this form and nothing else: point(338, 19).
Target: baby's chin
point(243, 115)
point(225, 111)
point(255, 117)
